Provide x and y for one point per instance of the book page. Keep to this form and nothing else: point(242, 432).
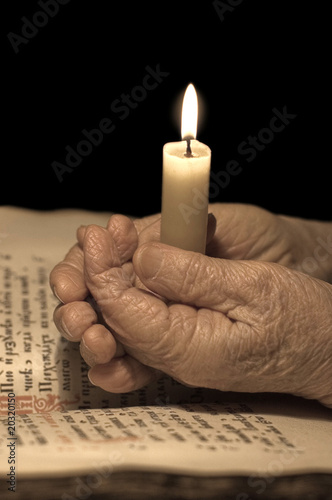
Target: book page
point(35, 363)
point(261, 435)
point(44, 371)
point(51, 411)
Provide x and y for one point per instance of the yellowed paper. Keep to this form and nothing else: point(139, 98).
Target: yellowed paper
point(50, 411)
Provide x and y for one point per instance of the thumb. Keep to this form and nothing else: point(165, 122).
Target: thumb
point(197, 279)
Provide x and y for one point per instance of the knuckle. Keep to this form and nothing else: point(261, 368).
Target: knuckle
point(76, 317)
point(196, 273)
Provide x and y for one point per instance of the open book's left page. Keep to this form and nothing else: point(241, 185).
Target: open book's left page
point(169, 427)
point(44, 371)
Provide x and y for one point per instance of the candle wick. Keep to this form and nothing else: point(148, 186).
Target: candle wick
point(188, 152)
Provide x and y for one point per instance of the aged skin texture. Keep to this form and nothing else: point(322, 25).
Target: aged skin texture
point(244, 317)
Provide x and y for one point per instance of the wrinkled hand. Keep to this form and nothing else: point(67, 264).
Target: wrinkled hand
point(252, 233)
point(230, 325)
point(77, 314)
point(242, 232)
point(78, 318)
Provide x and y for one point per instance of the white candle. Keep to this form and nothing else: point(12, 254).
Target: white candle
point(185, 192)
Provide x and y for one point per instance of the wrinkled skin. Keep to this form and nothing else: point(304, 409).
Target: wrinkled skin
point(240, 318)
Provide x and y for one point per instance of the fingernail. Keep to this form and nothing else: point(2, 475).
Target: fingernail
point(149, 260)
point(65, 331)
point(211, 217)
point(89, 357)
point(212, 226)
point(80, 233)
point(56, 295)
point(90, 379)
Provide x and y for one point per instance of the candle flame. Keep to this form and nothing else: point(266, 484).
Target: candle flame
point(189, 113)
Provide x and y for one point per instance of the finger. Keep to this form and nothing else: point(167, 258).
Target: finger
point(211, 228)
point(112, 288)
point(100, 251)
point(196, 279)
point(150, 232)
point(80, 235)
point(124, 235)
point(152, 332)
point(74, 318)
point(67, 277)
point(124, 374)
point(98, 345)
point(102, 270)
point(123, 232)
point(245, 232)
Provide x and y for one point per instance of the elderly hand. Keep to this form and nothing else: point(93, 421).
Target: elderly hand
point(252, 233)
point(242, 232)
point(217, 323)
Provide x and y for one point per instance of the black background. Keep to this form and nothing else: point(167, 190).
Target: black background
point(262, 55)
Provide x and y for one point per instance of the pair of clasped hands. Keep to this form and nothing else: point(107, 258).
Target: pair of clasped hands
point(244, 317)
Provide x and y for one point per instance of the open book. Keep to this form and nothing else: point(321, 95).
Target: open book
point(61, 437)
